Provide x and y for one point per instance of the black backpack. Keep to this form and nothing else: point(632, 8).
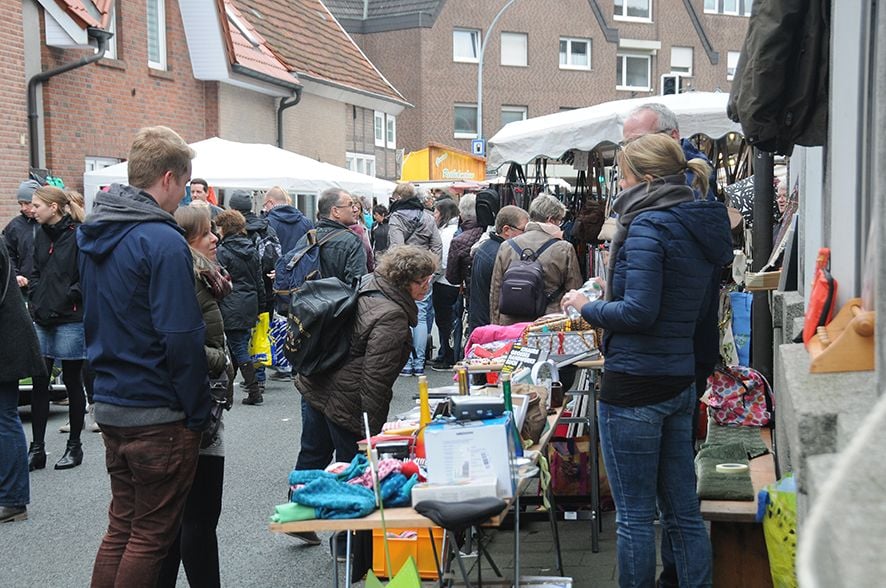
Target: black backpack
point(298, 266)
point(523, 284)
point(321, 317)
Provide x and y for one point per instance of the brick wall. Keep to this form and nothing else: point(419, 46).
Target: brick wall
point(360, 129)
point(96, 110)
point(419, 61)
point(13, 109)
point(246, 116)
point(317, 128)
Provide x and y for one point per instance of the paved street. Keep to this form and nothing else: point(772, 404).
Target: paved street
point(67, 515)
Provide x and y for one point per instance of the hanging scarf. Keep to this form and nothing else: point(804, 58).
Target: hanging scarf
point(213, 275)
point(663, 193)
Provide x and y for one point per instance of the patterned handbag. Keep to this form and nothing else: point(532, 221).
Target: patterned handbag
point(739, 395)
point(561, 342)
point(277, 335)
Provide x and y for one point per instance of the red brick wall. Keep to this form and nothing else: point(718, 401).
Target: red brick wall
point(94, 111)
point(13, 109)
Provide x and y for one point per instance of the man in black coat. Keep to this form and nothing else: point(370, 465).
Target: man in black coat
point(19, 235)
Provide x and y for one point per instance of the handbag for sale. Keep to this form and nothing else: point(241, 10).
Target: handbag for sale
point(739, 395)
point(823, 298)
point(536, 412)
point(561, 342)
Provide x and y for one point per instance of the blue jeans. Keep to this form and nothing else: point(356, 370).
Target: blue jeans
point(238, 343)
point(14, 483)
point(320, 438)
point(647, 451)
point(420, 331)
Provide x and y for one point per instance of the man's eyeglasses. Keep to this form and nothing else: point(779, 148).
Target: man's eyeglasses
point(513, 228)
point(349, 205)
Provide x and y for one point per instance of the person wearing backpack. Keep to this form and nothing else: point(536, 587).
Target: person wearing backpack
point(666, 248)
point(333, 402)
point(411, 223)
point(548, 267)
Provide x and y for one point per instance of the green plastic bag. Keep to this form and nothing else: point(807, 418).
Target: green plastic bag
point(407, 577)
point(780, 530)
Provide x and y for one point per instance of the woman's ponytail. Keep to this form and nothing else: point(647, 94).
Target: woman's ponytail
point(701, 169)
point(74, 205)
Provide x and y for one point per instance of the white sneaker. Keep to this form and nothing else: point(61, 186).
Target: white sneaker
point(89, 423)
point(65, 428)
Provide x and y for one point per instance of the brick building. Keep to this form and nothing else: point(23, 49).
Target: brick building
point(203, 68)
point(542, 56)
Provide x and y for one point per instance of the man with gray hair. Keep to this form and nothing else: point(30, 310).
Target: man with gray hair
point(654, 117)
point(542, 238)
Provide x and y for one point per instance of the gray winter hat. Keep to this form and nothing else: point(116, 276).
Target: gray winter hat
point(240, 200)
point(26, 190)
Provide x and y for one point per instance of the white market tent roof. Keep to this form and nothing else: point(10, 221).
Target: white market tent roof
point(586, 128)
point(228, 164)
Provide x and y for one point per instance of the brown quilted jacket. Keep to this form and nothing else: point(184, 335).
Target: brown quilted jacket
point(380, 345)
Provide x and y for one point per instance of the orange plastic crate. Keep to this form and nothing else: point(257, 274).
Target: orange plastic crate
point(418, 547)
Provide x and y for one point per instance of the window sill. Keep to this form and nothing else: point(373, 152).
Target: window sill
point(632, 89)
point(575, 68)
point(112, 63)
point(458, 135)
point(460, 60)
point(160, 73)
point(514, 65)
point(632, 19)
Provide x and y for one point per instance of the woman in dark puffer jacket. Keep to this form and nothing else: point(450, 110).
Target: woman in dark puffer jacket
point(197, 543)
point(54, 291)
point(666, 248)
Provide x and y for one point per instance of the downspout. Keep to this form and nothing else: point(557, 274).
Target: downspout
point(102, 37)
point(284, 104)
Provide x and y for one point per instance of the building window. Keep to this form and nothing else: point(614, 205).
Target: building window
point(391, 132)
point(731, 64)
point(378, 125)
point(465, 119)
point(466, 45)
point(633, 72)
point(111, 51)
point(510, 114)
point(732, 7)
point(681, 60)
point(157, 34)
point(633, 10)
point(360, 163)
point(514, 49)
point(575, 53)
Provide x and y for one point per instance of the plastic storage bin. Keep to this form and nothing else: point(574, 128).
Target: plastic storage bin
point(418, 546)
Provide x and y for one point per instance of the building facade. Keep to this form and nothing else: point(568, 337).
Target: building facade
point(541, 57)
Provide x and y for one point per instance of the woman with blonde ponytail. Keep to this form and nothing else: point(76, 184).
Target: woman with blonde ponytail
point(667, 248)
point(57, 306)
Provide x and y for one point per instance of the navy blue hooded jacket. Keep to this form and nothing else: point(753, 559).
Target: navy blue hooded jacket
point(659, 287)
point(290, 224)
point(144, 328)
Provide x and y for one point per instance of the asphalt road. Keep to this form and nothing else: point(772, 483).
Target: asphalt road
point(56, 546)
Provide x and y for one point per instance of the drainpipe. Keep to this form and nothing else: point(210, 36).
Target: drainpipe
point(102, 37)
point(284, 104)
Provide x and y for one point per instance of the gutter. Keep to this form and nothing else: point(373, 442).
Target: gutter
point(284, 104)
point(102, 37)
point(713, 56)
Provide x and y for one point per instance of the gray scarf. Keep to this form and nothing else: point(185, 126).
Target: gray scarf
point(125, 204)
point(663, 193)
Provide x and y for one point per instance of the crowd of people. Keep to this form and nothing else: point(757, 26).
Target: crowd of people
point(158, 370)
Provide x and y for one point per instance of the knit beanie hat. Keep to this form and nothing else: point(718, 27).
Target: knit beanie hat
point(240, 200)
point(26, 190)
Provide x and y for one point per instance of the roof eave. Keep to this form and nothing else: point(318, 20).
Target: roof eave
point(351, 95)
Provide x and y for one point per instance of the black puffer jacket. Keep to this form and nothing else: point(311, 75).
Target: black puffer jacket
point(19, 235)
point(19, 351)
point(341, 257)
point(240, 308)
point(54, 286)
point(380, 346)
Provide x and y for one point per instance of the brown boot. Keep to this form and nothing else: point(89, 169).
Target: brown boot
point(247, 370)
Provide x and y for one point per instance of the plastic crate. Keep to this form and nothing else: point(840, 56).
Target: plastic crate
point(419, 547)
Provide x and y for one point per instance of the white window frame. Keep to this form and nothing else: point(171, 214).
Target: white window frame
point(622, 56)
point(735, 12)
point(390, 131)
point(524, 110)
point(715, 10)
point(161, 35)
point(378, 128)
point(569, 42)
point(748, 6)
point(362, 163)
point(625, 17)
point(475, 41)
point(524, 61)
point(687, 72)
point(729, 54)
point(455, 132)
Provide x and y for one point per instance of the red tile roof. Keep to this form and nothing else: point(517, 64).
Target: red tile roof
point(311, 40)
point(77, 10)
point(256, 56)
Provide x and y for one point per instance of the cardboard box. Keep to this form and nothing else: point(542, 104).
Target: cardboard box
point(471, 450)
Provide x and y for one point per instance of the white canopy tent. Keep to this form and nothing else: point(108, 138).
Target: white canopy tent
point(586, 128)
point(252, 166)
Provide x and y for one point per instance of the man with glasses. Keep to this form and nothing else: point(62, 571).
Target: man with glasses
point(509, 222)
point(654, 117)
